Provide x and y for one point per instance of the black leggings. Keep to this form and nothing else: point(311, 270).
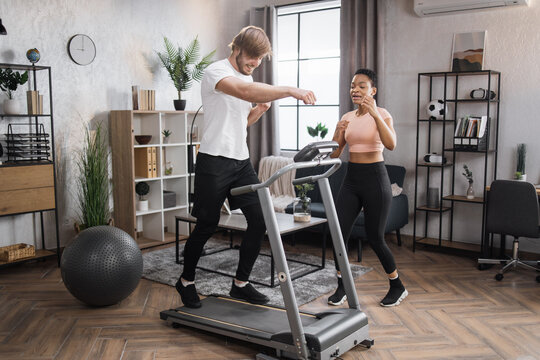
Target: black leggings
point(367, 186)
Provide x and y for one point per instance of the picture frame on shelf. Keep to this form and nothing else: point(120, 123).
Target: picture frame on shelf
point(468, 51)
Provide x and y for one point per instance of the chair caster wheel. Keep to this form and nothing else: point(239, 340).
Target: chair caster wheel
point(499, 277)
point(538, 279)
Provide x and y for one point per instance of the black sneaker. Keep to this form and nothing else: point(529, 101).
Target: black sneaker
point(189, 295)
point(394, 296)
point(248, 293)
point(339, 296)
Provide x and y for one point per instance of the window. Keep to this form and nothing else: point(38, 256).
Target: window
point(308, 58)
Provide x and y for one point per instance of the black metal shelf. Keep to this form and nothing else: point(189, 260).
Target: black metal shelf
point(33, 150)
point(448, 84)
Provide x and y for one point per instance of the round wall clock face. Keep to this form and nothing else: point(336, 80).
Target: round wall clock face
point(81, 49)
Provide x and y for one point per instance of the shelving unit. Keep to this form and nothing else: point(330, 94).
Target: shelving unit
point(27, 174)
point(155, 225)
point(438, 136)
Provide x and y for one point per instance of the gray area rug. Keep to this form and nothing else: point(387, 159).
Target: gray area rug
point(160, 266)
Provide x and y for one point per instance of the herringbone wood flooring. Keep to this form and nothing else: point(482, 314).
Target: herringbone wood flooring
point(453, 311)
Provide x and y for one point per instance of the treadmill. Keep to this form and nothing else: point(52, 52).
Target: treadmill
point(293, 334)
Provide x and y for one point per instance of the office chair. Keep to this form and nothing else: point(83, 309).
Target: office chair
point(512, 209)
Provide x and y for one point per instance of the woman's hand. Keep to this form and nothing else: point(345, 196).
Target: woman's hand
point(339, 133)
point(369, 103)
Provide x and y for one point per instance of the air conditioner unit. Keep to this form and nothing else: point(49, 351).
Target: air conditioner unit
point(447, 7)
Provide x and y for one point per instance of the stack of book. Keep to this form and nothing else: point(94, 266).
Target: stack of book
point(471, 133)
point(146, 162)
point(143, 99)
point(35, 102)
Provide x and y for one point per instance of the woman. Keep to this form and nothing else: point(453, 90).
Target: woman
point(367, 130)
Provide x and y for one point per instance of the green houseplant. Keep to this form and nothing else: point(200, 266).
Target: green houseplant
point(183, 66)
point(521, 157)
point(93, 180)
point(301, 206)
point(9, 81)
point(318, 131)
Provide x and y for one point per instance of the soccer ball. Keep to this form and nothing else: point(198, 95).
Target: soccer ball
point(436, 109)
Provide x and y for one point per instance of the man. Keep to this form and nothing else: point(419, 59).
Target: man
point(228, 91)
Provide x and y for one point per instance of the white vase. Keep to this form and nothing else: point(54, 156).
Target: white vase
point(11, 107)
point(142, 205)
point(523, 177)
point(470, 192)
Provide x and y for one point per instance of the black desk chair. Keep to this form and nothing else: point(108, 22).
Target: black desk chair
point(512, 209)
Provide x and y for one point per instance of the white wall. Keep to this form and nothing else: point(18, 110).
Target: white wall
point(126, 33)
point(414, 45)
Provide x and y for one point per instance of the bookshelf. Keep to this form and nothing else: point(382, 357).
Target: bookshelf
point(162, 165)
point(467, 132)
point(28, 166)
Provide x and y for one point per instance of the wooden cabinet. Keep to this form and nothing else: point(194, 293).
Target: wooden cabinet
point(168, 194)
point(444, 136)
point(27, 170)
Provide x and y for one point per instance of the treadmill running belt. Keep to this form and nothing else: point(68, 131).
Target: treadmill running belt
point(242, 316)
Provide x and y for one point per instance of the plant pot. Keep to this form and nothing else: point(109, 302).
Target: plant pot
point(302, 209)
point(142, 205)
point(180, 104)
point(11, 107)
point(522, 177)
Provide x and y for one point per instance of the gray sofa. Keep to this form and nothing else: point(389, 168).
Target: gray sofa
point(399, 209)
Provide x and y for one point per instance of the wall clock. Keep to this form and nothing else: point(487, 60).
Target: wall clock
point(81, 49)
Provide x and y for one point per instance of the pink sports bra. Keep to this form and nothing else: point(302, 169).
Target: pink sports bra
point(362, 134)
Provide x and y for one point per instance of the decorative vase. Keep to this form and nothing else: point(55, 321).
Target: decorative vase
point(168, 168)
point(165, 139)
point(11, 107)
point(142, 205)
point(470, 191)
point(522, 177)
point(179, 104)
point(302, 209)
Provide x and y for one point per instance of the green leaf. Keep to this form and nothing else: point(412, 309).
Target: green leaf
point(312, 132)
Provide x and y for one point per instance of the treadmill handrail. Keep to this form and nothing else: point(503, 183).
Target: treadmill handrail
point(299, 165)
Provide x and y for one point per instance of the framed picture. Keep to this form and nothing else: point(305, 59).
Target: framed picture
point(468, 51)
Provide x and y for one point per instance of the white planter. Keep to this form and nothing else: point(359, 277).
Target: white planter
point(11, 107)
point(142, 205)
point(523, 177)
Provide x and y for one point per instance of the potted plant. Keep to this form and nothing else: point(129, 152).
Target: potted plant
point(302, 204)
point(93, 181)
point(166, 133)
point(9, 81)
point(142, 189)
point(520, 168)
point(469, 176)
point(318, 131)
point(182, 66)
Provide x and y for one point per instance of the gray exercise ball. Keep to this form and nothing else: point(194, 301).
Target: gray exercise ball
point(102, 266)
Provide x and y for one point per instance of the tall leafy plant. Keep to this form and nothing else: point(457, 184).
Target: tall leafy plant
point(93, 181)
point(521, 157)
point(183, 64)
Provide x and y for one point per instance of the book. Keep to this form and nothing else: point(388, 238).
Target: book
point(143, 162)
point(135, 97)
point(154, 162)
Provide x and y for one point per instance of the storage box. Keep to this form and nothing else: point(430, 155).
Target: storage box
point(16, 252)
point(169, 199)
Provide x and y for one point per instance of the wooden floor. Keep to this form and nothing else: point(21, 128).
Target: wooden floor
point(453, 311)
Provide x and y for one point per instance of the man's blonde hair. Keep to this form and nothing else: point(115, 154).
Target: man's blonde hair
point(252, 40)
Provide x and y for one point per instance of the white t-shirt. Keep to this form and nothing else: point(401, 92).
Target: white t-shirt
point(224, 131)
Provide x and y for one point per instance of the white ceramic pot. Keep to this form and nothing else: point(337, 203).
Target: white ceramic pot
point(142, 205)
point(11, 107)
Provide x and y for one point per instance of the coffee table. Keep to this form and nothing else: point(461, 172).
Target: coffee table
point(237, 222)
